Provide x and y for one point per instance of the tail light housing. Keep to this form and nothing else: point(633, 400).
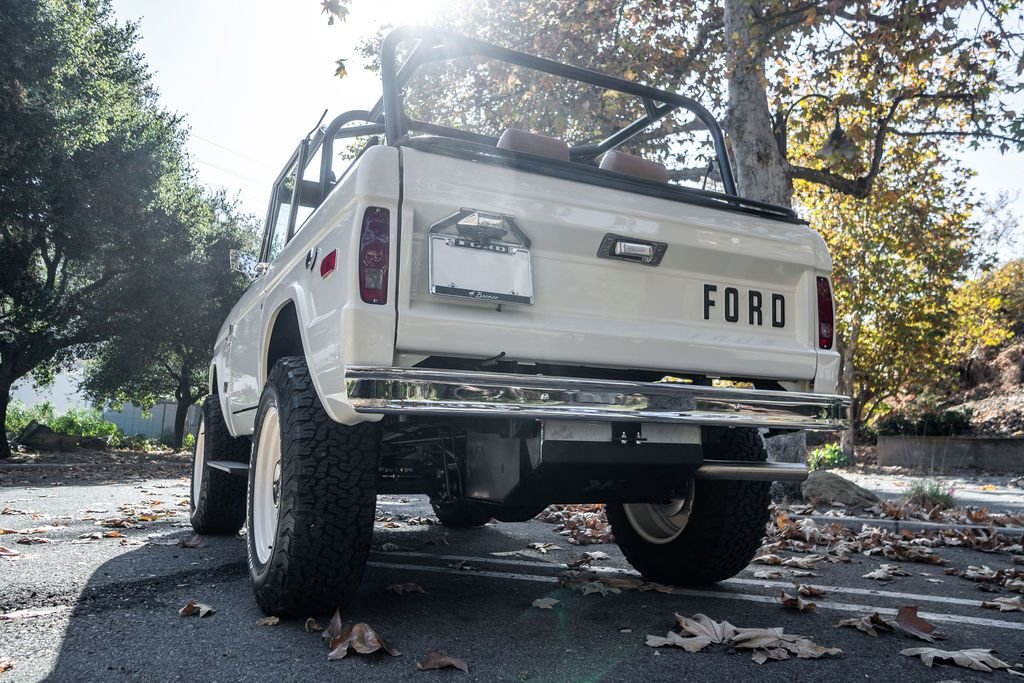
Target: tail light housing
point(374, 255)
point(826, 314)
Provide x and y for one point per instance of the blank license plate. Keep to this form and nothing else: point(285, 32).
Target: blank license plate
point(470, 270)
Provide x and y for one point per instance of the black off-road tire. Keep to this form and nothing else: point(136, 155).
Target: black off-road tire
point(461, 514)
point(217, 505)
point(725, 528)
point(326, 500)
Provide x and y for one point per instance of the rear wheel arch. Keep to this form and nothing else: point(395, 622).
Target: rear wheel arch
point(284, 339)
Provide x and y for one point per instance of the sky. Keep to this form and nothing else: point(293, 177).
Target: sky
point(253, 77)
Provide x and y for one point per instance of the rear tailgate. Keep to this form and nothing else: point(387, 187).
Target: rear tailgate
point(734, 294)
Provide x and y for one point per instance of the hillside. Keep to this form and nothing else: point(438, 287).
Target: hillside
point(993, 387)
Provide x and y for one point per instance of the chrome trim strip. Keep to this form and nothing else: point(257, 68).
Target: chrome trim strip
point(492, 394)
point(751, 471)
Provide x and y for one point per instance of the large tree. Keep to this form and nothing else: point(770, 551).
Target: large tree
point(168, 354)
point(85, 154)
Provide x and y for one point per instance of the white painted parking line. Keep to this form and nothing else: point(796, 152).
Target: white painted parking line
point(914, 597)
point(724, 595)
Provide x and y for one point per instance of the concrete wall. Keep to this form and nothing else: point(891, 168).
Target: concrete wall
point(941, 454)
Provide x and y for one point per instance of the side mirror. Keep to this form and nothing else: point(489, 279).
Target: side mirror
point(246, 264)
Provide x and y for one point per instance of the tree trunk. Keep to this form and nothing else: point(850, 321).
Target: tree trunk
point(846, 379)
point(5, 399)
point(762, 171)
point(180, 413)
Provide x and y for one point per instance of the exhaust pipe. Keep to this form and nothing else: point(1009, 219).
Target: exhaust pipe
point(751, 471)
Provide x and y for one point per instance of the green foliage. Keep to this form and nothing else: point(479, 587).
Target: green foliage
point(189, 442)
point(19, 415)
point(86, 161)
point(930, 494)
point(989, 310)
point(83, 422)
point(926, 423)
point(828, 456)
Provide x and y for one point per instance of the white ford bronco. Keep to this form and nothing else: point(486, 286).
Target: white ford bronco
point(502, 320)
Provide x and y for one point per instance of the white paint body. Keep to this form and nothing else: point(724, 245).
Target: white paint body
point(586, 312)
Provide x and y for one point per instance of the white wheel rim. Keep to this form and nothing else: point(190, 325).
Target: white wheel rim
point(198, 461)
point(266, 484)
point(660, 523)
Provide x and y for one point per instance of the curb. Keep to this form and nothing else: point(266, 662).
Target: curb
point(898, 525)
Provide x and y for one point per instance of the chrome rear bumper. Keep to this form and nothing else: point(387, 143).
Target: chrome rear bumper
point(490, 394)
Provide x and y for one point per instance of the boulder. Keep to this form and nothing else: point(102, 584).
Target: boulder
point(826, 488)
point(39, 437)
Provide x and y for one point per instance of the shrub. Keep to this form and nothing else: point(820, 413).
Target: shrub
point(930, 494)
point(928, 423)
point(189, 442)
point(20, 415)
point(828, 456)
point(83, 422)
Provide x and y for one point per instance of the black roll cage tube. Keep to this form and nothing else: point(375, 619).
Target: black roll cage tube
point(657, 103)
point(387, 116)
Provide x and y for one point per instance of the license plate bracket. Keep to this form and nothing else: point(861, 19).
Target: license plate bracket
point(482, 271)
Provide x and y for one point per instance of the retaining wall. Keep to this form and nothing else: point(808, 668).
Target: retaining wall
point(941, 454)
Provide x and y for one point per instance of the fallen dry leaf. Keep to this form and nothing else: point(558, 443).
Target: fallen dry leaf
point(768, 574)
point(5, 664)
point(439, 660)
point(360, 638)
point(1016, 585)
point(977, 659)
point(312, 626)
point(810, 591)
point(768, 559)
point(1005, 604)
point(692, 644)
point(869, 623)
point(32, 540)
point(403, 588)
point(545, 603)
point(887, 572)
point(544, 548)
point(598, 556)
point(193, 607)
point(13, 511)
point(598, 587)
point(808, 562)
point(803, 573)
point(8, 552)
point(268, 621)
point(46, 528)
point(797, 603)
point(702, 625)
point(911, 624)
point(193, 541)
point(113, 534)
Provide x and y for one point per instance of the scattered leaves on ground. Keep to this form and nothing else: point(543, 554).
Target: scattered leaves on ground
point(764, 643)
point(439, 660)
point(268, 621)
point(809, 591)
point(580, 524)
point(192, 607)
point(8, 552)
point(910, 623)
point(1005, 604)
point(32, 540)
point(796, 603)
point(977, 659)
point(545, 603)
point(869, 623)
point(403, 588)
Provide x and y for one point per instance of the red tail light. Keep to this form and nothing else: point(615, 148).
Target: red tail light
point(374, 254)
point(826, 314)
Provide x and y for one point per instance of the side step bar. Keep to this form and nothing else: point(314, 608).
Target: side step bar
point(230, 466)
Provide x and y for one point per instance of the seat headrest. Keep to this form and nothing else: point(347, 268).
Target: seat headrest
point(621, 162)
point(516, 140)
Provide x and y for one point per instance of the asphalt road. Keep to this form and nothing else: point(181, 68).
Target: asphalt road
point(107, 609)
